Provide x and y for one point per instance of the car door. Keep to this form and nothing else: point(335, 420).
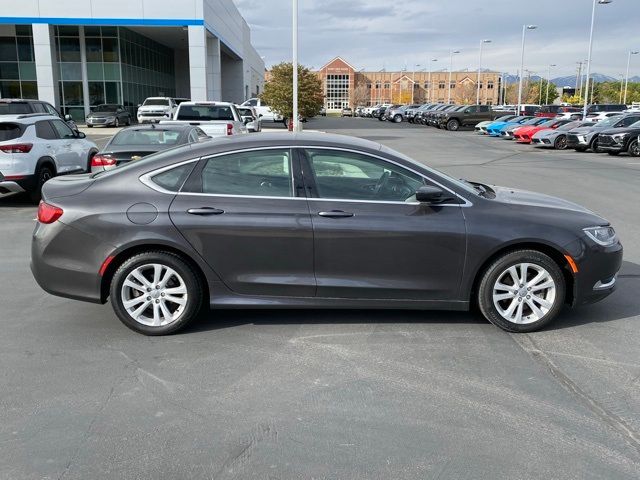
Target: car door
point(371, 240)
point(72, 152)
point(244, 213)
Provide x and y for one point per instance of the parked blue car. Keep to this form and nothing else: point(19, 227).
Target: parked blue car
point(494, 129)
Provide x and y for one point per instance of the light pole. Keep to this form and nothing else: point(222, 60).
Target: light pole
point(626, 77)
point(524, 32)
point(593, 18)
point(413, 87)
point(430, 84)
point(621, 86)
point(451, 54)
point(296, 121)
point(482, 42)
point(549, 81)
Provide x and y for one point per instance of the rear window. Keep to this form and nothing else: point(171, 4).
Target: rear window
point(10, 131)
point(146, 137)
point(14, 108)
point(205, 112)
point(173, 179)
point(156, 101)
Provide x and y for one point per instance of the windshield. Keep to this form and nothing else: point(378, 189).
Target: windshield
point(205, 112)
point(154, 136)
point(245, 112)
point(570, 125)
point(105, 108)
point(156, 101)
point(635, 125)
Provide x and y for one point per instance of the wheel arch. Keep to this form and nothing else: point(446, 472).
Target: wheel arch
point(121, 256)
point(46, 160)
point(552, 251)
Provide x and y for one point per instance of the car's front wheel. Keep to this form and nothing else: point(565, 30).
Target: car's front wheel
point(453, 125)
point(397, 118)
point(522, 291)
point(634, 148)
point(560, 143)
point(155, 293)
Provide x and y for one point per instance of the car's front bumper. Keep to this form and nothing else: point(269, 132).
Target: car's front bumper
point(577, 141)
point(100, 121)
point(152, 118)
point(598, 268)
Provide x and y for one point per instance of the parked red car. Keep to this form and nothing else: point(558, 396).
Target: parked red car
point(525, 134)
point(553, 110)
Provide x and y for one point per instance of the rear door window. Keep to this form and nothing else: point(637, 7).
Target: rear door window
point(45, 131)
point(10, 131)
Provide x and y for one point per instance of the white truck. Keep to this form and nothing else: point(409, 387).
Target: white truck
point(264, 111)
point(156, 109)
point(216, 119)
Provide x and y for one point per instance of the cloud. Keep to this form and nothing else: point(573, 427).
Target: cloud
point(375, 33)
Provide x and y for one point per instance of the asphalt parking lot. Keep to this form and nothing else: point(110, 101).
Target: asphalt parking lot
point(334, 394)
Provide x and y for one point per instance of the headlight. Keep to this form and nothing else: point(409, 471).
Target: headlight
point(582, 138)
point(619, 137)
point(604, 236)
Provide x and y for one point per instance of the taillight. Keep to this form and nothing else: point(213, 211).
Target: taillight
point(48, 213)
point(102, 161)
point(17, 148)
point(229, 128)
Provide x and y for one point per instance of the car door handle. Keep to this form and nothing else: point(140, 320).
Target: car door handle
point(335, 214)
point(205, 211)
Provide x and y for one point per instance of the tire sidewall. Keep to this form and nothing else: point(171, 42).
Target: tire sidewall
point(192, 283)
point(634, 149)
point(491, 275)
point(453, 125)
point(560, 143)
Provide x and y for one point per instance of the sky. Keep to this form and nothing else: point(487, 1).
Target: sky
point(376, 34)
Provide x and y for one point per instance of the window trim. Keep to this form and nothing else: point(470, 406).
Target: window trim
point(297, 157)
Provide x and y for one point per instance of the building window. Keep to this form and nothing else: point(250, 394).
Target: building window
point(480, 85)
point(337, 91)
point(452, 85)
point(369, 85)
point(387, 85)
point(17, 66)
point(377, 83)
point(490, 84)
point(427, 85)
point(441, 84)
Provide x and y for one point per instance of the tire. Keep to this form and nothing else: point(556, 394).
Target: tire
point(498, 273)
point(594, 146)
point(397, 119)
point(453, 125)
point(128, 124)
point(381, 118)
point(44, 173)
point(560, 143)
point(116, 123)
point(580, 149)
point(89, 126)
point(182, 279)
point(634, 148)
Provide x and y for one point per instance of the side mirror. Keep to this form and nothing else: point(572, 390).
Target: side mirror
point(80, 134)
point(429, 194)
point(260, 116)
point(67, 117)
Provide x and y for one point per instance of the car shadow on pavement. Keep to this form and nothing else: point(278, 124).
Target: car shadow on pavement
point(17, 200)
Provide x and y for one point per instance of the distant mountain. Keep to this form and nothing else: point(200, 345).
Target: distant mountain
point(569, 80)
point(634, 79)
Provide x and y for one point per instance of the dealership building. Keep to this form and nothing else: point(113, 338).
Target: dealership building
point(79, 53)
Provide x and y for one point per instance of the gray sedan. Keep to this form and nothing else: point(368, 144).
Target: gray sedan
point(313, 221)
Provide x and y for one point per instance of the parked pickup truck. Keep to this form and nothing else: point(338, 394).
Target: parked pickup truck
point(155, 109)
point(465, 117)
point(264, 111)
point(216, 119)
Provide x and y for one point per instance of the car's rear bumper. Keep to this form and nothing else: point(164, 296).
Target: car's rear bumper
point(68, 272)
point(9, 185)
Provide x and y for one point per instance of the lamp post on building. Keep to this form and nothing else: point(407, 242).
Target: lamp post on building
point(451, 54)
point(593, 17)
point(549, 81)
point(430, 84)
point(626, 77)
point(482, 42)
point(524, 33)
point(296, 120)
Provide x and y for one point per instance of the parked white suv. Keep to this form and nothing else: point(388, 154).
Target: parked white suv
point(264, 111)
point(155, 109)
point(35, 147)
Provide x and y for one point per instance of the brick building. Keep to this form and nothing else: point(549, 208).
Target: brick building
point(345, 86)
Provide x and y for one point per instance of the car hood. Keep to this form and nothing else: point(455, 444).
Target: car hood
point(546, 132)
point(583, 130)
point(102, 114)
point(614, 131)
point(514, 196)
point(496, 125)
point(154, 108)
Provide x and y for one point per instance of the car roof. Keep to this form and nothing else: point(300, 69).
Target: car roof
point(27, 118)
point(209, 103)
point(160, 126)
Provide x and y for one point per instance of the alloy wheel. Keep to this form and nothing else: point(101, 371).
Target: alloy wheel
point(154, 295)
point(634, 149)
point(524, 293)
point(561, 142)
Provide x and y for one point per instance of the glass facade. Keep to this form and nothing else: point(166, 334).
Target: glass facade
point(337, 91)
point(17, 65)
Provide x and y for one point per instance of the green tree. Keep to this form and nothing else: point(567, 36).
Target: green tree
point(278, 91)
point(613, 92)
point(536, 93)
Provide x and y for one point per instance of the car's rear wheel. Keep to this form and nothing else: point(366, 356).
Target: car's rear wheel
point(44, 173)
point(453, 125)
point(155, 293)
point(634, 148)
point(560, 143)
point(522, 291)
